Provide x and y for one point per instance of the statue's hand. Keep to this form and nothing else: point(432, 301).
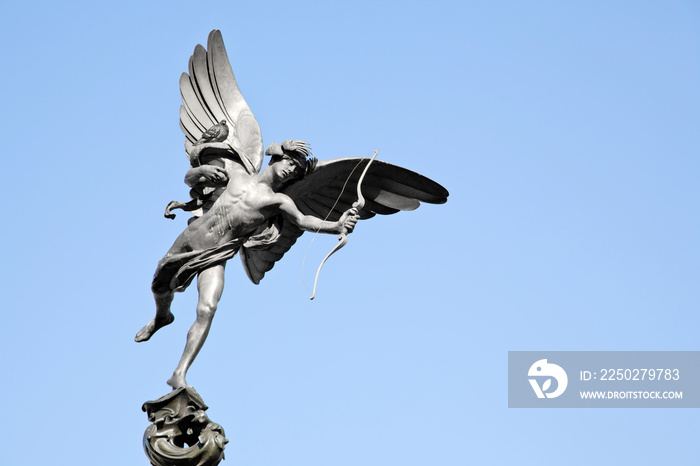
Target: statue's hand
point(213, 174)
point(348, 221)
point(206, 175)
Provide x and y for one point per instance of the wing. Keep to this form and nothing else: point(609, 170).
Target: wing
point(331, 189)
point(210, 94)
point(261, 251)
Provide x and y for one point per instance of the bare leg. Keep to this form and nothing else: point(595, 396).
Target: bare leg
point(210, 285)
point(163, 317)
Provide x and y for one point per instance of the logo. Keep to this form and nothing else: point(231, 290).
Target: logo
point(542, 369)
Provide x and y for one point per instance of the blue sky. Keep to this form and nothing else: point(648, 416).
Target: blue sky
point(566, 133)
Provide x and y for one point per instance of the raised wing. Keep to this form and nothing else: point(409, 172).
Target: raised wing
point(331, 189)
point(210, 94)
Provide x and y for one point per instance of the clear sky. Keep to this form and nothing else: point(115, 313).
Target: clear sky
point(566, 133)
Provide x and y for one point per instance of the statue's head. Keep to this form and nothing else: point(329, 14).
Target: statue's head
point(298, 152)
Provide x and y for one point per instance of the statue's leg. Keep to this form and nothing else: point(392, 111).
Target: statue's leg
point(210, 285)
point(163, 316)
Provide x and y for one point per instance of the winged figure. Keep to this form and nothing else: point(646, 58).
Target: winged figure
point(241, 208)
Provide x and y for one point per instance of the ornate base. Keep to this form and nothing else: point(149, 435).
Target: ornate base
point(181, 433)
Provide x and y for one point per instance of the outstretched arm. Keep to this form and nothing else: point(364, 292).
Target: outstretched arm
point(345, 224)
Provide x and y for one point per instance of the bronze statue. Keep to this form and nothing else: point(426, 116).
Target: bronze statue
point(239, 209)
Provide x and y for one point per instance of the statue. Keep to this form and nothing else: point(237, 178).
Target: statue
point(240, 209)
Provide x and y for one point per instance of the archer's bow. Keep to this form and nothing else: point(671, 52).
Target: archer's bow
point(343, 238)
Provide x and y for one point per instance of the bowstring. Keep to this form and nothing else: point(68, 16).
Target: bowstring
point(342, 190)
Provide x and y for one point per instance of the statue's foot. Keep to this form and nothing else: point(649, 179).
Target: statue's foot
point(152, 327)
point(177, 381)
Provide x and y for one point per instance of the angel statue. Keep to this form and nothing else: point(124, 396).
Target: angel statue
point(240, 209)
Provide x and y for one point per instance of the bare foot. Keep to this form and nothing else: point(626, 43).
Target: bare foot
point(177, 381)
point(152, 327)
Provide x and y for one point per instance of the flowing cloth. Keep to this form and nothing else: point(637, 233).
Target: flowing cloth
point(176, 271)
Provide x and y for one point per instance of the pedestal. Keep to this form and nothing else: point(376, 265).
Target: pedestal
point(181, 433)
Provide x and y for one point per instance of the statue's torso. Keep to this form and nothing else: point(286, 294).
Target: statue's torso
point(238, 211)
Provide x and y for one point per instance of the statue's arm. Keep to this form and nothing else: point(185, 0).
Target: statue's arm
point(206, 176)
point(345, 224)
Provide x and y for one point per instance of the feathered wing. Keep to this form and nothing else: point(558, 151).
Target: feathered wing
point(329, 191)
point(210, 94)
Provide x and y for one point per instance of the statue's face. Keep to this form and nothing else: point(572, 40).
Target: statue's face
point(286, 169)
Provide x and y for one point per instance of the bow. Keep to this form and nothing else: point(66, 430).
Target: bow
point(343, 237)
